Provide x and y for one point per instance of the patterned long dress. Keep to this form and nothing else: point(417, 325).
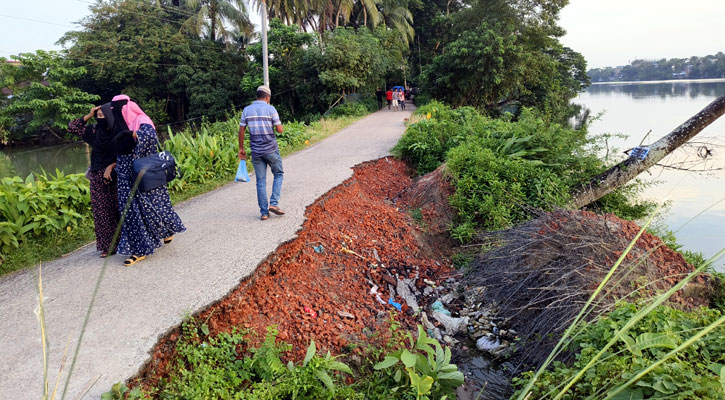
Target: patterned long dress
point(150, 217)
point(104, 198)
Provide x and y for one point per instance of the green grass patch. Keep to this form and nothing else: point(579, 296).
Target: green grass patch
point(696, 372)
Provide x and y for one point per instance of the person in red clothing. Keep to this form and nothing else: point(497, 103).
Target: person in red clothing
point(389, 97)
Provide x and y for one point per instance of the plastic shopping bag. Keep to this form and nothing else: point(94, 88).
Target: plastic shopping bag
point(242, 174)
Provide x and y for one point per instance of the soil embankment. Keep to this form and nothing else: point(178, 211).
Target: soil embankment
point(381, 230)
point(356, 237)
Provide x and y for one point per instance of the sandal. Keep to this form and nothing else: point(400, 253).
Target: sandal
point(133, 260)
point(169, 239)
point(264, 217)
point(104, 254)
point(276, 210)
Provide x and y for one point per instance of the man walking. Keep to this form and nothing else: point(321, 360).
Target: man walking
point(379, 93)
point(262, 120)
point(389, 97)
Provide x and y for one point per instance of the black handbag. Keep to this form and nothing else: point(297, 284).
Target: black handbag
point(155, 170)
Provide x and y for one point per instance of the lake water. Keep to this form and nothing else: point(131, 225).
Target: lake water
point(634, 109)
point(70, 159)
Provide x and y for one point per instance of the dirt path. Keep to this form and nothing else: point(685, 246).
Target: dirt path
point(224, 243)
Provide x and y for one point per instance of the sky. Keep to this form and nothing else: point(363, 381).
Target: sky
point(615, 32)
point(607, 33)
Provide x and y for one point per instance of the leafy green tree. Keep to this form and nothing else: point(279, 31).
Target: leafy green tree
point(137, 48)
point(43, 101)
point(353, 60)
point(512, 57)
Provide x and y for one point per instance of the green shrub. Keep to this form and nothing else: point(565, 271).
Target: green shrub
point(350, 109)
point(41, 205)
point(695, 373)
point(423, 371)
point(497, 191)
point(502, 168)
point(219, 368)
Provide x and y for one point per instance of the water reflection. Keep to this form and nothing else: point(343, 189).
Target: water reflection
point(662, 90)
point(21, 162)
point(634, 109)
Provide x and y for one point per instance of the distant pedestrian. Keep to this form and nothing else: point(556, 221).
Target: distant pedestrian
point(150, 220)
point(104, 191)
point(380, 94)
point(401, 94)
point(262, 120)
point(389, 97)
point(396, 98)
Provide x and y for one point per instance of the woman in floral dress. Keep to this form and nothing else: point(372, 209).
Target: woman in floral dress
point(150, 220)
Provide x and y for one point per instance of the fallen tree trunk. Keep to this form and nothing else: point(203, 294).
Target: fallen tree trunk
point(628, 169)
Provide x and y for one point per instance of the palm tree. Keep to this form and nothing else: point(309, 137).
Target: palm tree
point(209, 18)
point(398, 18)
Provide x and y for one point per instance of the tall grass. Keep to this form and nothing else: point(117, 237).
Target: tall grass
point(619, 335)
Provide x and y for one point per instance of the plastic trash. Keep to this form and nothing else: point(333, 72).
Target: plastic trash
point(438, 306)
point(488, 342)
point(398, 306)
point(452, 325)
point(242, 174)
point(310, 311)
point(319, 248)
point(403, 289)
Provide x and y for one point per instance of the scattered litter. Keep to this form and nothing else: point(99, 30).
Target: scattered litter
point(398, 306)
point(452, 325)
point(447, 298)
point(639, 152)
point(403, 290)
point(438, 306)
point(346, 250)
point(427, 291)
point(345, 314)
point(319, 248)
point(375, 254)
point(429, 282)
point(489, 342)
point(374, 290)
point(310, 311)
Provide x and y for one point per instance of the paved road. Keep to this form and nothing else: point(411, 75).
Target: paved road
point(225, 241)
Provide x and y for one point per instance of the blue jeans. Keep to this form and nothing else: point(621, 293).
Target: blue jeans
point(274, 160)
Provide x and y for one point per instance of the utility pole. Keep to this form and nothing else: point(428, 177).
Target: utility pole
point(265, 55)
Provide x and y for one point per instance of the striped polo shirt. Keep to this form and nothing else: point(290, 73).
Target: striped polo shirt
point(260, 119)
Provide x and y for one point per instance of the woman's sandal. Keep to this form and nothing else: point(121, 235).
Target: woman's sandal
point(105, 254)
point(133, 260)
point(264, 217)
point(168, 239)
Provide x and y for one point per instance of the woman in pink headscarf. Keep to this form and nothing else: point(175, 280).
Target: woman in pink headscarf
point(150, 219)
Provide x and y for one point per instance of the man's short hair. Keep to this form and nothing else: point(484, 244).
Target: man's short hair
point(261, 94)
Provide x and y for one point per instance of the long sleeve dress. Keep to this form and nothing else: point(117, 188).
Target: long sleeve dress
point(150, 217)
point(104, 199)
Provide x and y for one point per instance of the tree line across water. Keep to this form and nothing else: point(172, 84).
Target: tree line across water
point(708, 67)
point(192, 60)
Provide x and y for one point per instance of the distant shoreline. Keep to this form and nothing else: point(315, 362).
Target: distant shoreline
point(664, 81)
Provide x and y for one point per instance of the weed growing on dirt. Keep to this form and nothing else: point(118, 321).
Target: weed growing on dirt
point(696, 372)
point(224, 367)
point(427, 367)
